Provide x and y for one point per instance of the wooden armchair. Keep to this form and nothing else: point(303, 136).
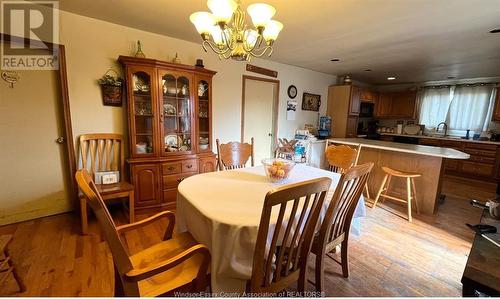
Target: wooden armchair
point(104, 152)
point(174, 264)
point(234, 155)
point(284, 261)
point(336, 224)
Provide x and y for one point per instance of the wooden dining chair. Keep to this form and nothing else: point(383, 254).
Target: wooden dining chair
point(7, 266)
point(291, 229)
point(105, 152)
point(174, 264)
point(234, 155)
point(341, 158)
point(336, 224)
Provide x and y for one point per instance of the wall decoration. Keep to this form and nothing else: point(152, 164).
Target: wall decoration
point(111, 88)
point(311, 102)
point(10, 77)
point(292, 91)
point(139, 53)
point(291, 108)
point(260, 70)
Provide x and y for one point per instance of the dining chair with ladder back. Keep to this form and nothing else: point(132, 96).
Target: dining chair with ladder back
point(176, 264)
point(336, 223)
point(234, 155)
point(341, 158)
point(105, 152)
point(290, 229)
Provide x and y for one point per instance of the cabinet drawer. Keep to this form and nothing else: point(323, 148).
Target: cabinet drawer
point(171, 181)
point(453, 144)
point(481, 153)
point(190, 166)
point(172, 167)
point(481, 146)
point(480, 169)
point(451, 164)
point(432, 142)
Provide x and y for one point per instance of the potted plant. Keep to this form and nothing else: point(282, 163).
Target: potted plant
point(111, 88)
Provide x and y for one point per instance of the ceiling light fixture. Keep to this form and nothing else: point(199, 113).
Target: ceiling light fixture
point(495, 30)
point(368, 70)
point(225, 32)
point(335, 59)
point(391, 78)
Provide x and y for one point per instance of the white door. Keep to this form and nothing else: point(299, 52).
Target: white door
point(258, 122)
point(32, 171)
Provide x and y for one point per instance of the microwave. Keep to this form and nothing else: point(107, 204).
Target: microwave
point(366, 109)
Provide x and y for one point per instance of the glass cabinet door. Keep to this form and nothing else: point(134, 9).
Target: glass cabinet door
point(143, 113)
point(176, 113)
point(204, 113)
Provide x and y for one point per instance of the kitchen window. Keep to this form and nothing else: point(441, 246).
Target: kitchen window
point(464, 107)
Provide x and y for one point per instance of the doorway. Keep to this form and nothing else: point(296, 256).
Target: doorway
point(259, 115)
point(36, 134)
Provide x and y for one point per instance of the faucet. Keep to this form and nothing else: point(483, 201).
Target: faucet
point(445, 126)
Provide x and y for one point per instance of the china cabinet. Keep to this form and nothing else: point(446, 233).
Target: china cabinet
point(170, 127)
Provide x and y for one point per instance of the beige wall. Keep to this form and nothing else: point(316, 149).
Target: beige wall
point(92, 46)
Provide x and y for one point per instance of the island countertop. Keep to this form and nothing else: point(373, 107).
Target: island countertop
point(425, 150)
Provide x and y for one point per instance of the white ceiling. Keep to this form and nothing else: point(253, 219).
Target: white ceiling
point(413, 40)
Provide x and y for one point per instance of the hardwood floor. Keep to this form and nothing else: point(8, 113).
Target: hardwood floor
point(391, 257)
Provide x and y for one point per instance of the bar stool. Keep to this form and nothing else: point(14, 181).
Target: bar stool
point(411, 191)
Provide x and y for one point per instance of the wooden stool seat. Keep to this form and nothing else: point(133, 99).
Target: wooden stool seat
point(401, 174)
point(6, 263)
point(411, 191)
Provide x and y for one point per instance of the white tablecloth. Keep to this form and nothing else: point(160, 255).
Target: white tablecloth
point(222, 211)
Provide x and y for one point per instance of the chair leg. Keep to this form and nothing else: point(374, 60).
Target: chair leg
point(380, 190)
point(367, 191)
point(408, 194)
point(131, 207)
point(387, 186)
point(320, 272)
point(84, 216)
point(415, 195)
point(344, 258)
point(20, 283)
point(118, 285)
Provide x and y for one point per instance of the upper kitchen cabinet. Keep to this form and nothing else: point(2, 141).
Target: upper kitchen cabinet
point(354, 102)
point(368, 96)
point(396, 105)
point(496, 111)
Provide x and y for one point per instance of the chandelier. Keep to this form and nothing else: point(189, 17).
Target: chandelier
point(225, 32)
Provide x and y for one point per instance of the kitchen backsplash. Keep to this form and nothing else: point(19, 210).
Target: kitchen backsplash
point(493, 126)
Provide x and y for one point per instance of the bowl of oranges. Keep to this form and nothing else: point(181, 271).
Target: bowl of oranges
point(278, 170)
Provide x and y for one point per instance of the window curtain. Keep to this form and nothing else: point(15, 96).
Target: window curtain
point(435, 105)
point(470, 108)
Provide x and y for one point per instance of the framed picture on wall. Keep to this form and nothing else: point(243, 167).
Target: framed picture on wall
point(311, 102)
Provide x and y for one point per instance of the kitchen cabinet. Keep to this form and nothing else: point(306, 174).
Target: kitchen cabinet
point(343, 106)
point(146, 182)
point(352, 127)
point(396, 105)
point(368, 96)
point(496, 110)
point(354, 102)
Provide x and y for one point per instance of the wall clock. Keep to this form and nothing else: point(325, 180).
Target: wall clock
point(292, 91)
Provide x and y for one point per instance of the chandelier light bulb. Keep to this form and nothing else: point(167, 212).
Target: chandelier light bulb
point(251, 38)
point(261, 13)
point(222, 9)
point(203, 21)
point(272, 30)
point(216, 33)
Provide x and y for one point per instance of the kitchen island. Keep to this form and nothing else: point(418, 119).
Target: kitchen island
point(423, 159)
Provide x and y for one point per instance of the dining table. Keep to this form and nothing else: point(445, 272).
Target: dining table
point(222, 210)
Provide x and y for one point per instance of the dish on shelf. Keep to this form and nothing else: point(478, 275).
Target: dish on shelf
point(169, 110)
point(141, 148)
point(173, 141)
point(203, 146)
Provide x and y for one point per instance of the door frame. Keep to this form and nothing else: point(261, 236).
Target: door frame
point(66, 111)
point(275, 107)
